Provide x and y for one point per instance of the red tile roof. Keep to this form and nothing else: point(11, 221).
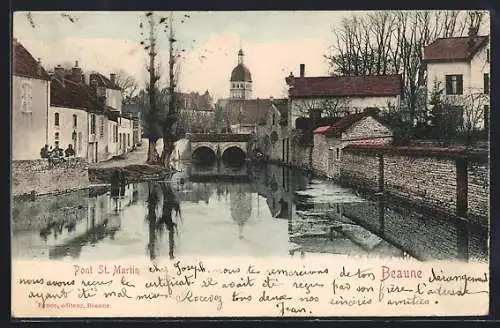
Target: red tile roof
point(67, 93)
point(452, 49)
point(341, 125)
point(25, 65)
point(347, 86)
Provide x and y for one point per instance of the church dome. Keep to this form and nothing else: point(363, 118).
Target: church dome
point(241, 74)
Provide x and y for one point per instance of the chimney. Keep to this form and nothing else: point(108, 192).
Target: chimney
point(59, 72)
point(39, 66)
point(289, 79)
point(112, 77)
point(76, 73)
point(93, 82)
point(302, 70)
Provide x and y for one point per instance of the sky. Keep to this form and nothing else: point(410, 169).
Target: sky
point(274, 43)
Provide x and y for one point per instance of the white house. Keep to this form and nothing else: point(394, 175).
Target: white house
point(461, 67)
point(110, 94)
point(67, 121)
point(125, 134)
point(341, 95)
point(30, 104)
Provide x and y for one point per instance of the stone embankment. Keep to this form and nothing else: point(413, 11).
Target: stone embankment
point(133, 173)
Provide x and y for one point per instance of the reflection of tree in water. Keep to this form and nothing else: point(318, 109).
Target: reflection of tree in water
point(170, 207)
point(241, 205)
point(152, 203)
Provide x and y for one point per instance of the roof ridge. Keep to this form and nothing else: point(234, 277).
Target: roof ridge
point(462, 37)
point(340, 76)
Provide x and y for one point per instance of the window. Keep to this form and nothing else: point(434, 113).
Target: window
point(338, 152)
point(75, 121)
point(454, 85)
point(116, 133)
point(128, 139)
point(56, 119)
point(79, 142)
point(92, 124)
point(274, 118)
point(101, 128)
point(26, 97)
point(330, 159)
point(56, 139)
point(486, 83)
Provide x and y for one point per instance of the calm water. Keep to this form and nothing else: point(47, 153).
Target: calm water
point(251, 211)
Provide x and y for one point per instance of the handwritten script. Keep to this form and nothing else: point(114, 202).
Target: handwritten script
point(249, 288)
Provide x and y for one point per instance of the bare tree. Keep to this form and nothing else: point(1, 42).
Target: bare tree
point(152, 117)
point(392, 42)
point(473, 113)
point(31, 20)
point(323, 107)
point(128, 85)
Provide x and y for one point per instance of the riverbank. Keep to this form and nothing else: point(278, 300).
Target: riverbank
point(133, 173)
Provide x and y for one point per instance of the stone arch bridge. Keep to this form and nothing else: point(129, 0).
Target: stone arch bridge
point(208, 148)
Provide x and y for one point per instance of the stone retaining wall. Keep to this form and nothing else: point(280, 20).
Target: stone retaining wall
point(450, 180)
point(38, 177)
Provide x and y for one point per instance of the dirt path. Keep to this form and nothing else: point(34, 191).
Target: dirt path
point(136, 157)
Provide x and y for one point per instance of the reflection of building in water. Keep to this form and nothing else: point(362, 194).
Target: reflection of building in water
point(275, 184)
point(48, 220)
point(240, 204)
point(102, 222)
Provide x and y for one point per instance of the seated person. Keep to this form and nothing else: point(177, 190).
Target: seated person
point(70, 151)
point(44, 152)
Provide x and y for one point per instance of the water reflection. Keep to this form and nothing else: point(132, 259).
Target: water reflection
point(252, 210)
point(161, 220)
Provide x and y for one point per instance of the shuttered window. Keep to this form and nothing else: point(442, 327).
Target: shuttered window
point(454, 84)
point(486, 83)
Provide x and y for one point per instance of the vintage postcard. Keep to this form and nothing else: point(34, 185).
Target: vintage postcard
point(271, 164)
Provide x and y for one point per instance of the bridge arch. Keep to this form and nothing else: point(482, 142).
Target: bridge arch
point(203, 155)
point(233, 155)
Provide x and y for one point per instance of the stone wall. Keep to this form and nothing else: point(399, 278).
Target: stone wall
point(423, 177)
point(478, 189)
point(320, 153)
point(359, 169)
point(300, 155)
point(40, 212)
point(432, 237)
point(38, 177)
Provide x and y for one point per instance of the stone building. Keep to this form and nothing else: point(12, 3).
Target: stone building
point(241, 80)
point(70, 104)
point(30, 104)
point(313, 99)
point(272, 135)
point(461, 67)
point(351, 129)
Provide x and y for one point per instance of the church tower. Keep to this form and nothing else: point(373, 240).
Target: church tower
point(241, 80)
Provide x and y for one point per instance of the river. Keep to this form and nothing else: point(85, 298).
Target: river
point(256, 211)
